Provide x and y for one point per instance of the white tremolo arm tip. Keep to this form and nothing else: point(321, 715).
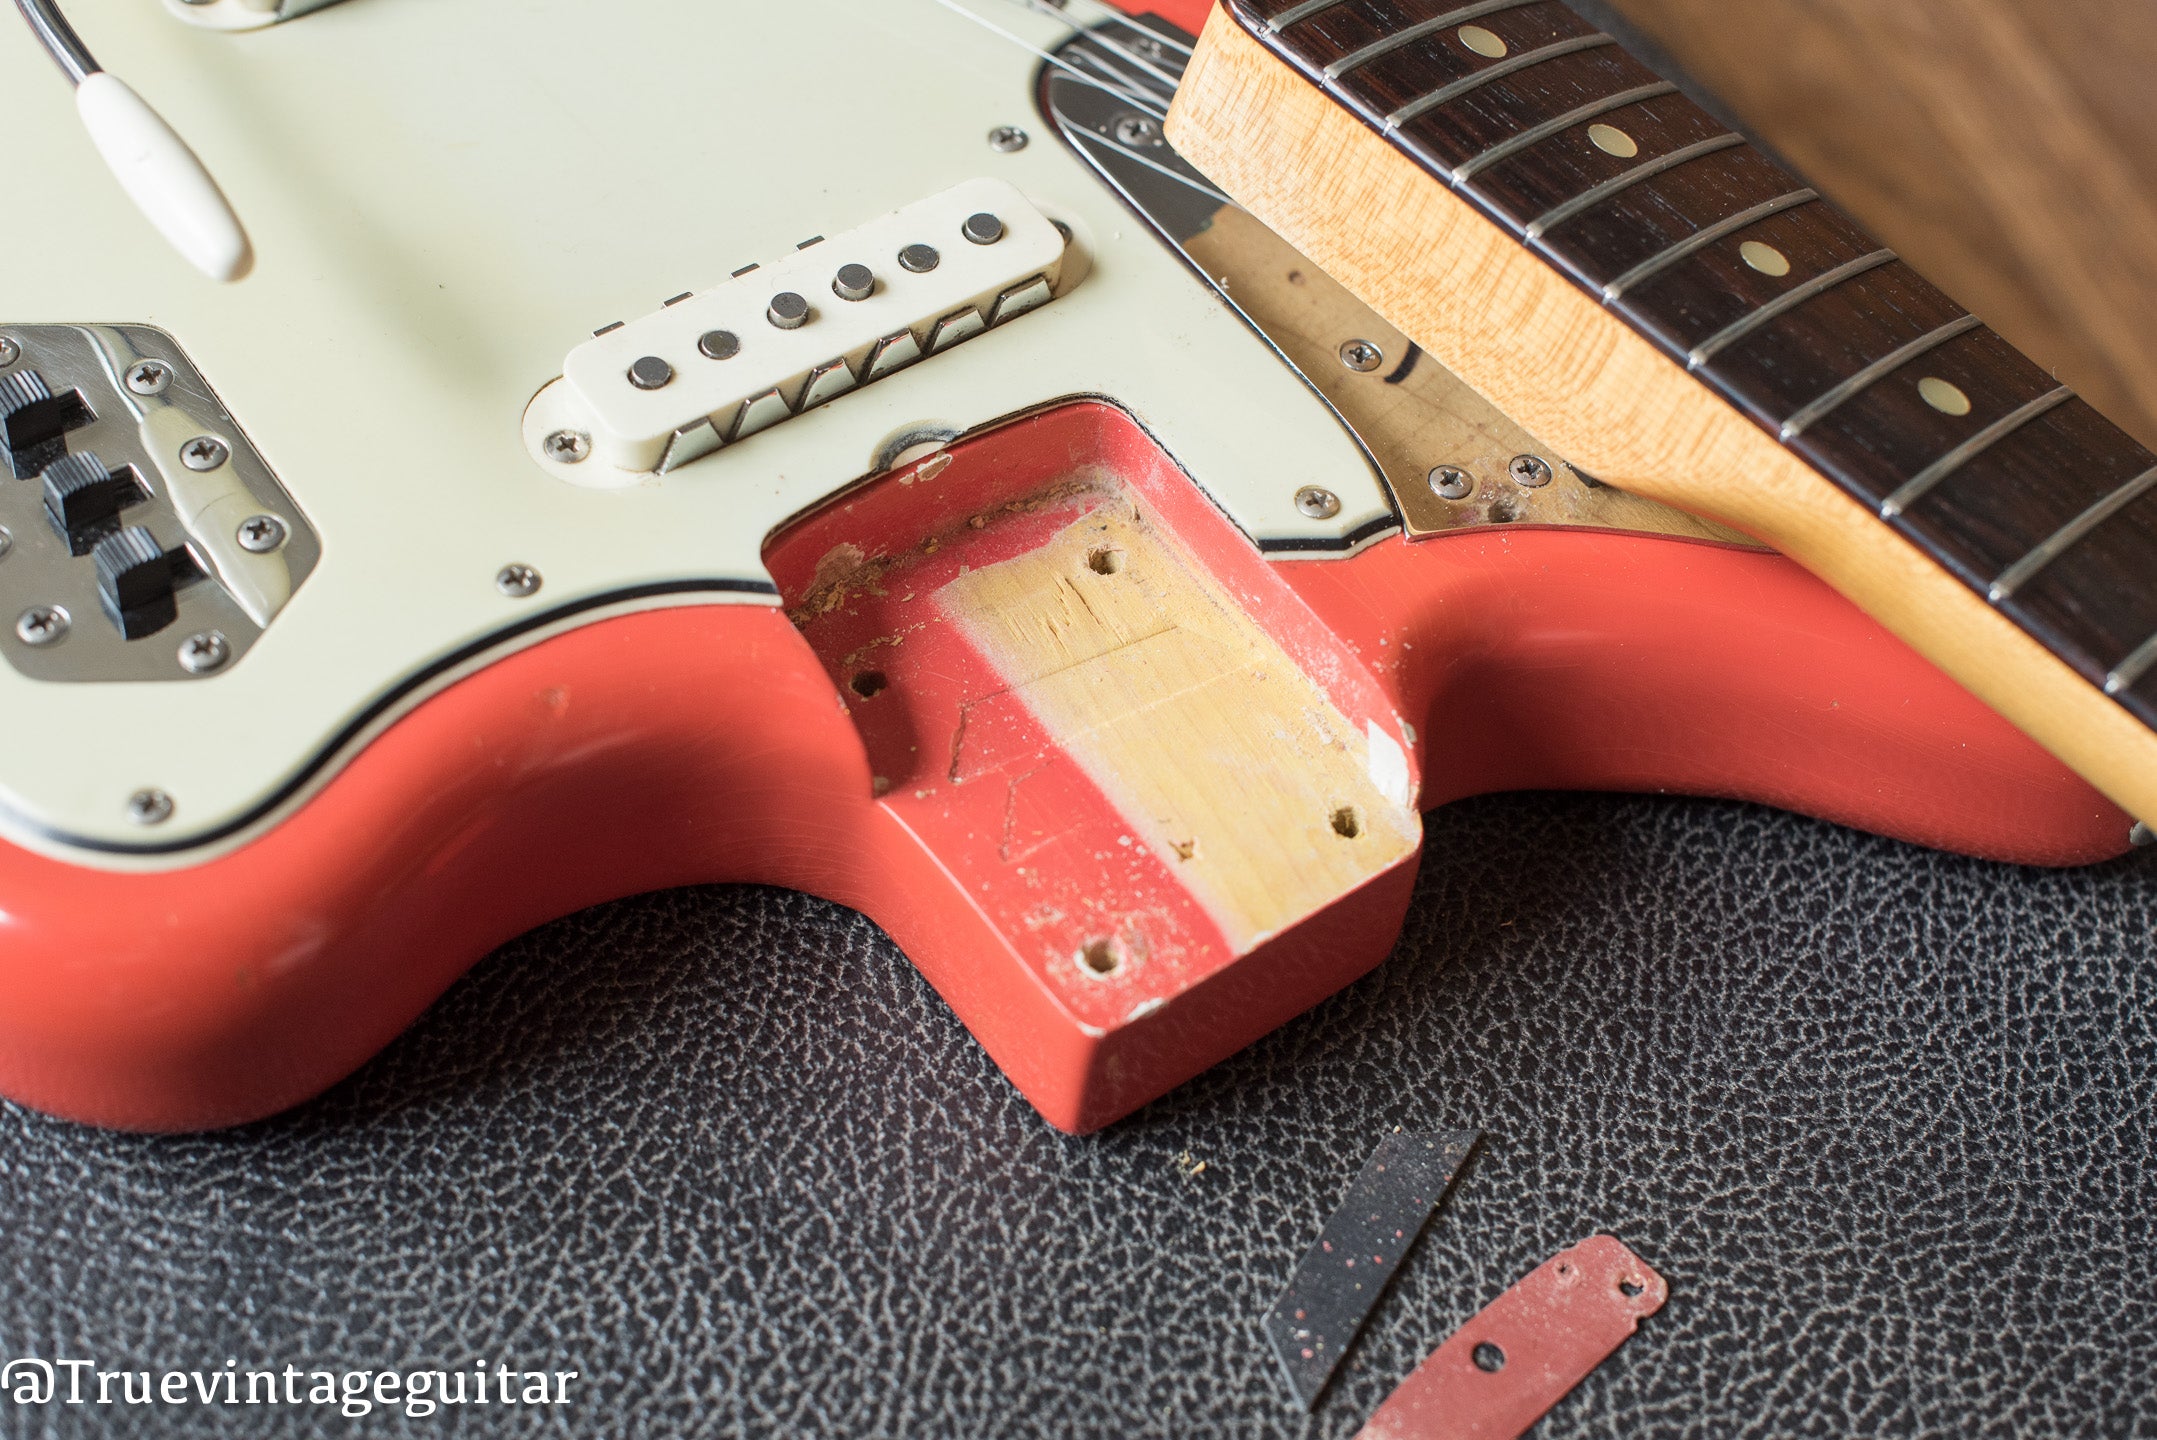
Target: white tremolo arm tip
point(163, 177)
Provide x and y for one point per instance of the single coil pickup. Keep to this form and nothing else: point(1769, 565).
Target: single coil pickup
point(710, 369)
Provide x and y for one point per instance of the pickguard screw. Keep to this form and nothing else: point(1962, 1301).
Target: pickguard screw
point(10, 351)
point(1530, 470)
point(149, 807)
point(517, 581)
point(567, 447)
point(1318, 503)
point(1136, 130)
point(1452, 483)
point(1362, 356)
point(204, 652)
point(42, 625)
point(7, 541)
point(1006, 138)
point(260, 534)
point(149, 377)
point(2141, 836)
point(1150, 48)
point(204, 452)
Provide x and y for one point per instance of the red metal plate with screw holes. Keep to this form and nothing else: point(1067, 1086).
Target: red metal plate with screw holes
point(1503, 1370)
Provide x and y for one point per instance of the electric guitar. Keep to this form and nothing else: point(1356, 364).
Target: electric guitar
point(845, 445)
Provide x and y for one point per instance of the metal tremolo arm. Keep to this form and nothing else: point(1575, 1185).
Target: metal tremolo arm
point(152, 163)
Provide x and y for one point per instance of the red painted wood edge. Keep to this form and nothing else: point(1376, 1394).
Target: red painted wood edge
point(709, 744)
point(1190, 15)
point(1538, 1340)
point(1572, 660)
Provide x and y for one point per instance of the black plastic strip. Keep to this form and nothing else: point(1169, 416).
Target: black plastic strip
point(1338, 1284)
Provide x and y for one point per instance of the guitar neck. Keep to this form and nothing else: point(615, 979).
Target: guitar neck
point(1784, 314)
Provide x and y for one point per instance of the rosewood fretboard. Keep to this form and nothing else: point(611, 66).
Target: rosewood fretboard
point(1770, 295)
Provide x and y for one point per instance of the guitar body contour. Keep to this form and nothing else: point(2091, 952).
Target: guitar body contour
point(442, 579)
point(638, 752)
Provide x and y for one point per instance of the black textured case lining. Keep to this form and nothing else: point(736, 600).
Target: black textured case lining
point(1883, 1118)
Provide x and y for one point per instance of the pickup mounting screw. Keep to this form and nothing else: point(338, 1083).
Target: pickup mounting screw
point(204, 652)
point(149, 377)
point(42, 625)
point(1004, 139)
point(650, 373)
point(566, 447)
point(1318, 503)
point(517, 581)
point(1362, 356)
point(149, 807)
point(260, 534)
point(1134, 131)
point(982, 228)
point(205, 452)
point(854, 282)
point(1532, 471)
point(787, 311)
point(1452, 483)
point(715, 345)
point(920, 259)
point(10, 351)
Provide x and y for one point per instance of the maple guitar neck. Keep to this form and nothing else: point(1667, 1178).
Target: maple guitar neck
point(1622, 272)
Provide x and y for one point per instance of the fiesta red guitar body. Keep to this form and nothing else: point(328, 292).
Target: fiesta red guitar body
point(729, 742)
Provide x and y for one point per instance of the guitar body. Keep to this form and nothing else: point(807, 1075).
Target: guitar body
point(1034, 651)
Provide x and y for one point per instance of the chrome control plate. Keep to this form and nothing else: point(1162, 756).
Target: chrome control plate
point(240, 545)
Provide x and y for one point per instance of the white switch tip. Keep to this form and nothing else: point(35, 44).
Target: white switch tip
point(163, 177)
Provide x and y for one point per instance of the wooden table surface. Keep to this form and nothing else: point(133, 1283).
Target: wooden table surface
point(2008, 148)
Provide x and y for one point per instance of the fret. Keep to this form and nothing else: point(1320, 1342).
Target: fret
point(1920, 484)
point(1737, 330)
point(2123, 676)
point(1662, 260)
point(2068, 535)
point(1357, 59)
point(1505, 149)
point(1639, 221)
point(1489, 73)
point(1894, 360)
point(1994, 512)
point(1589, 199)
point(1295, 14)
